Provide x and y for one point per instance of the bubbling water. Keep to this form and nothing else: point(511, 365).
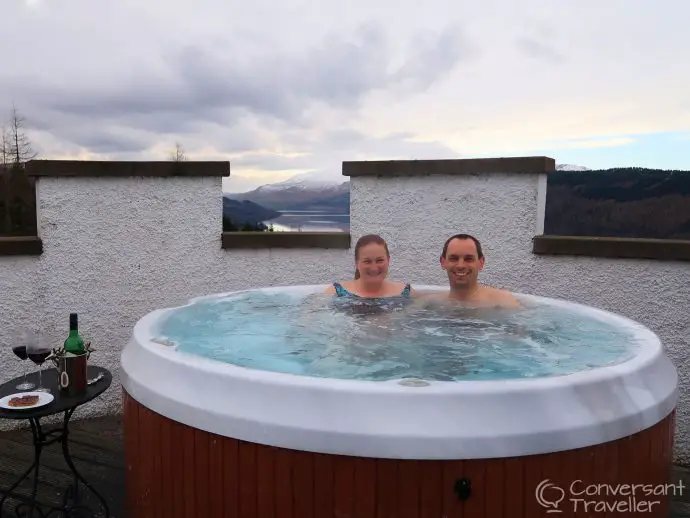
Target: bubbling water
point(363, 339)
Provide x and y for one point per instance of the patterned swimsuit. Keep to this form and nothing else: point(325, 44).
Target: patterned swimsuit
point(342, 292)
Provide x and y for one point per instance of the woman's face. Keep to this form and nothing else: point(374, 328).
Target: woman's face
point(372, 262)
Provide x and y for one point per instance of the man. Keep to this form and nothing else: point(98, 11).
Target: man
point(462, 259)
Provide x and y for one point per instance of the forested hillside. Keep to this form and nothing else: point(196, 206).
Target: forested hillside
point(625, 202)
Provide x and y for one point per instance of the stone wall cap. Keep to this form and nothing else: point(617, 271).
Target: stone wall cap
point(233, 240)
point(460, 166)
point(107, 168)
point(613, 247)
point(20, 245)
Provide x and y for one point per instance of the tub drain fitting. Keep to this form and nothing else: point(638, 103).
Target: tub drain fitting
point(463, 488)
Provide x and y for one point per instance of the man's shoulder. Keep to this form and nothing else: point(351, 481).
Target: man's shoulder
point(425, 294)
point(501, 296)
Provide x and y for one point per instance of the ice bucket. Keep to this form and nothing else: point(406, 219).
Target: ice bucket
point(71, 371)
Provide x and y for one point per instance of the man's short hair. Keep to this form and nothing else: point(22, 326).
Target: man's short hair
point(480, 254)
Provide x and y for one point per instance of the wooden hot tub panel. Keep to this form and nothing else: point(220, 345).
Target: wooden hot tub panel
point(174, 470)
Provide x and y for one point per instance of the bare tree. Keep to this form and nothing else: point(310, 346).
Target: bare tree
point(178, 155)
point(4, 180)
point(20, 198)
point(20, 146)
point(5, 147)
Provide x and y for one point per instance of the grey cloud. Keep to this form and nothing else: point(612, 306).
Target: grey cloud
point(431, 57)
point(207, 84)
point(136, 132)
point(98, 138)
point(213, 97)
point(539, 49)
point(106, 142)
point(337, 146)
point(329, 153)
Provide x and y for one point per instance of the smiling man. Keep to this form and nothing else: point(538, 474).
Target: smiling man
point(462, 259)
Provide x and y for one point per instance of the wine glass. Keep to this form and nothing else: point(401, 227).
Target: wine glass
point(19, 349)
point(37, 349)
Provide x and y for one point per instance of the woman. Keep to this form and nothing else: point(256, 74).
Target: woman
point(372, 261)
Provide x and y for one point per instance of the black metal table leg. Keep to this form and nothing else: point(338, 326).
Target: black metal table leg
point(64, 402)
point(71, 505)
point(31, 501)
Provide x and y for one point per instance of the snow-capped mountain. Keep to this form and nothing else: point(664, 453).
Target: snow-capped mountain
point(305, 191)
point(571, 167)
point(303, 181)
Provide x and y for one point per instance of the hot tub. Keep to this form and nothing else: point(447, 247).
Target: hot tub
point(208, 438)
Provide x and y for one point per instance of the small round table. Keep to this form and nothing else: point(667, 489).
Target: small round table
point(67, 405)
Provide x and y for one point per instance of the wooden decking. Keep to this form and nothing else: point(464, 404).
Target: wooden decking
point(97, 450)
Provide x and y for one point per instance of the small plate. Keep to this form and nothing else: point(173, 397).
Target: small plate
point(43, 399)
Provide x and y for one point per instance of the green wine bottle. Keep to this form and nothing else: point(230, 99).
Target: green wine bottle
point(74, 343)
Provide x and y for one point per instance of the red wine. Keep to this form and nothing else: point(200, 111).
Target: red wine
point(20, 351)
point(38, 357)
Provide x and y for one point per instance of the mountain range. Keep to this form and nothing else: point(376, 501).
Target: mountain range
point(301, 193)
point(618, 202)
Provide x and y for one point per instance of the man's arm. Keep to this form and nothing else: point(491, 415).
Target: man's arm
point(508, 300)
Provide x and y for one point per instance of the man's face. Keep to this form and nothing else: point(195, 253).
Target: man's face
point(461, 263)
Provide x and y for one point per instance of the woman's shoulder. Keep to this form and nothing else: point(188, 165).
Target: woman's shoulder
point(400, 286)
point(336, 285)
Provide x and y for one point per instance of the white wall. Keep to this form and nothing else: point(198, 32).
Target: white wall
point(116, 249)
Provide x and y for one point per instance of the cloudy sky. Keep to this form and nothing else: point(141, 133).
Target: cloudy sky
point(291, 86)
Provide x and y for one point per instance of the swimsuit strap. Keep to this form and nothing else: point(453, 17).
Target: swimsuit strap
point(342, 292)
point(339, 290)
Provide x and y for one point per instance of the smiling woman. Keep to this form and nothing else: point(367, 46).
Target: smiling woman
point(372, 260)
